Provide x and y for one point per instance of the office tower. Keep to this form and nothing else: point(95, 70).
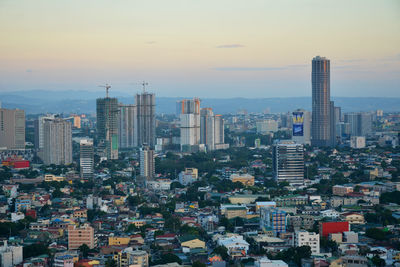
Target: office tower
point(321, 105)
point(39, 130)
point(273, 219)
point(338, 115)
point(147, 164)
point(360, 123)
point(219, 133)
point(132, 257)
point(127, 126)
point(77, 236)
point(288, 162)
point(267, 126)
point(146, 119)
point(332, 124)
point(107, 126)
point(207, 132)
point(57, 141)
point(12, 128)
point(86, 158)
point(190, 124)
point(77, 121)
point(301, 127)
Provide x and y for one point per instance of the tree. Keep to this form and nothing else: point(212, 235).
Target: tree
point(84, 249)
point(111, 263)
point(377, 261)
point(35, 250)
point(376, 233)
point(168, 258)
point(222, 251)
point(198, 264)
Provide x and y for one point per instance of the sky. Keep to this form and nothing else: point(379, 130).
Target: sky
point(207, 48)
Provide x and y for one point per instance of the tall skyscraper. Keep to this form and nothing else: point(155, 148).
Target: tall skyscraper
point(12, 128)
point(219, 134)
point(86, 158)
point(360, 123)
point(301, 127)
point(288, 162)
point(127, 126)
point(190, 124)
point(332, 124)
point(146, 119)
point(207, 131)
point(39, 131)
point(147, 164)
point(107, 126)
point(321, 103)
point(57, 142)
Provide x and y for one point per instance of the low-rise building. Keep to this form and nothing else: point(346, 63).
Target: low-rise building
point(305, 238)
point(245, 179)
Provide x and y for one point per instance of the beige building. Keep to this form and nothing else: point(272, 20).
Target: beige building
point(12, 128)
point(190, 242)
point(57, 142)
point(118, 240)
point(353, 218)
point(340, 190)
point(233, 212)
point(245, 179)
point(130, 257)
point(79, 236)
point(53, 178)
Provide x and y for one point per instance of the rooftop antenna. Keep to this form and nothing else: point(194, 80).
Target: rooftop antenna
point(144, 84)
point(107, 88)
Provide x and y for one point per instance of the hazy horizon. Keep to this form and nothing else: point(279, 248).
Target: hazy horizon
point(214, 49)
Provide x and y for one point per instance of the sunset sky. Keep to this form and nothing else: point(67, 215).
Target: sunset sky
point(205, 48)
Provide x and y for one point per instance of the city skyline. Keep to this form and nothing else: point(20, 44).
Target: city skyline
point(258, 49)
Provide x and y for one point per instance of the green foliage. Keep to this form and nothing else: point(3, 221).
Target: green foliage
point(135, 200)
point(84, 249)
point(292, 255)
point(198, 264)
point(57, 194)
point(222, 251)
point(35, 250)
point(111, 263)
point(377, 261)
point(168, 258)
point(328, 245)
point(390, 197)
point(376, 234)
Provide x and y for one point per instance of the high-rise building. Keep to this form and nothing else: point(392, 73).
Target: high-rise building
point(207, 133)
point(57, 141)
point(146, 119)
point(12, 128)
point(267, 126)
point(86, 158)
point(332, 124)
point(190, 124)
point(79, 236)
point(39, 130)
point(147, 164)
point(360, 123)
point(107, 126)
point(219, 134)
point(321, 103)
point(288, 162)
point(301, 127)
point(127, 126)
point(273, 219)
point(77, 121)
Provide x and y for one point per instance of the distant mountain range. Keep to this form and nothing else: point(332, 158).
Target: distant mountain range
point(41, 101)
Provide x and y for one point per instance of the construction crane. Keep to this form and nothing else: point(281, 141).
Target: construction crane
point(107, 88)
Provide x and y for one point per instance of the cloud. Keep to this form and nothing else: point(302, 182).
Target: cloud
point(151, 42)
point(230, 46)
point(296, 66)
point(248, 68)
point(29, 70)
point(351, 60)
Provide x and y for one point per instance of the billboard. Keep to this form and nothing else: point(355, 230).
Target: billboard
point(298, 123)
